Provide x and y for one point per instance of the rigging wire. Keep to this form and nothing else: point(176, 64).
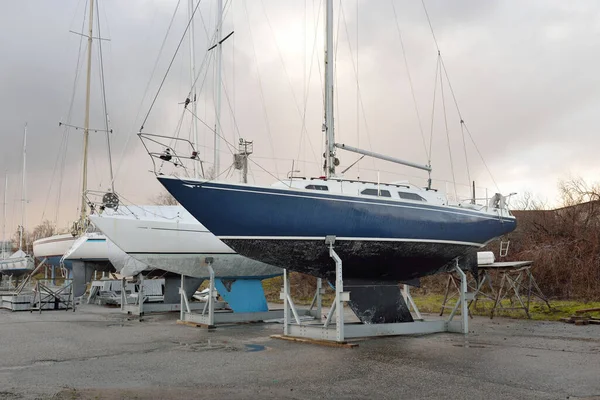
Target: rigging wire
point(104, 106)
point(462, 121)
point(233, 147)
point(448, 135)
point(437, 68)
point(301, 114)
point(360, 97)
point(170, 65)
point(162, 46)
point(304, 131)
point(260, 85)
point(62, 155)
point(410, 82)
point(357, 92)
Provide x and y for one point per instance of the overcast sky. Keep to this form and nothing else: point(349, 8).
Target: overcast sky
point(525, 75)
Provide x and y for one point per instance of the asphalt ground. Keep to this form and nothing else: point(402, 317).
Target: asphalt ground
point(98, 353)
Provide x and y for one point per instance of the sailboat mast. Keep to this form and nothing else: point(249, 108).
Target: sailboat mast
point(218, 87)
point(192, 81)
point(4, 220)
point(328, 124)
point(86, 126)
point(23, 194)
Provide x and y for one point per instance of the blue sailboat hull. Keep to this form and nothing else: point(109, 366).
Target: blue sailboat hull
point(377, 239)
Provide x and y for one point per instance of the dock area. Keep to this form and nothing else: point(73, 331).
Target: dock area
point(98, 353)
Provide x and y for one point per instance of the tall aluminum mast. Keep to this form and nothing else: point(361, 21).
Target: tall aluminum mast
point(23, 194)
point(4, 220)
point(328, 127)
point(219, 49)
point(192, 81)
point(86, 126)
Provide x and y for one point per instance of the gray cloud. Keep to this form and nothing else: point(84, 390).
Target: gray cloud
point(524, 76)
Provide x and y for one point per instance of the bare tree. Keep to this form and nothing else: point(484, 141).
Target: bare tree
point(164, 199)
point(43, 230)
point(563, 243)
point(527, 201)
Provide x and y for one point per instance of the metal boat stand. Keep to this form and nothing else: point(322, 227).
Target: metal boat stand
point(46, 296)
point(325, 333)
point(20, 298)
point(211, 316)
point(141, 304)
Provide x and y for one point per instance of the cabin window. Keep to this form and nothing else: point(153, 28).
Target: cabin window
point(317, 187)
point(410, 196)
point(375, 192)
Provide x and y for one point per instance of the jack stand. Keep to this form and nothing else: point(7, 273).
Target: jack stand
point(152, 296)
point(411, 303)
point(324, 334)
point(213, 314)
point(137, 307)
point(46, 297)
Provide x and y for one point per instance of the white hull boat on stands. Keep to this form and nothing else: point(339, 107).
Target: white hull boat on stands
point(53, 248)
point(127, 266)
point(89, 253)
point(170, 239)
point(81, 252)
point(17, 264)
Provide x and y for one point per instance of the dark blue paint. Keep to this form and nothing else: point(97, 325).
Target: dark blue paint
point(243, 212)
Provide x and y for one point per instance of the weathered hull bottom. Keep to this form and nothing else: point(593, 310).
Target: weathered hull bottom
point(225, 266)
point(383, 261)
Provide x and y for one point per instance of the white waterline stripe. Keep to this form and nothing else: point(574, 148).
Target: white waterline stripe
point(350, 239)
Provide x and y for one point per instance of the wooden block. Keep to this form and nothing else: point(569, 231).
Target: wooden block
point(195, 324)
point(579, 317)
point(585, 310)
point(594, 321)
point(316, 341)
point(582, 322)
point(567, 320)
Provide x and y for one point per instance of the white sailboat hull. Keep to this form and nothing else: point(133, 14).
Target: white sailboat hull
point(169, 238)
point(53, 248)
point(91, 246)
point(123, 262)
point(16, 265)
